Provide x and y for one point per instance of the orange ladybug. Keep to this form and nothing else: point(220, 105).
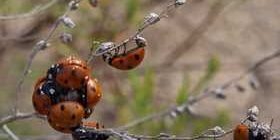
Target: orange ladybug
point(93, 93)
point(66, 115)
point(71, 73)
point(241, 132)
point(41, 101)
point(125, 60)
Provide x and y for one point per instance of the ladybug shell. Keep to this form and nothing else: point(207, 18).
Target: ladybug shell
point(241, 132)
point(93, 93)
point(92, 124)
point(73, 73)
point(59, 128)
point(130, 60)
point(66, 114)
point(41, 102)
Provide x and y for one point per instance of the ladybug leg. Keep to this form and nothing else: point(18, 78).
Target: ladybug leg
point(124, 49)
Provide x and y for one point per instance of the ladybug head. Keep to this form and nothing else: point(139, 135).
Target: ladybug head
point(104, 47)
point(82, 133)
point(140, 41)
point(53, 70)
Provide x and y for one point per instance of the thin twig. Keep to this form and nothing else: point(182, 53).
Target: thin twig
point(171, 6)
point(118, 134)
point(185, 107)
point(18, 116)
point(36, 49)
point(37, 10)
point(10, 132)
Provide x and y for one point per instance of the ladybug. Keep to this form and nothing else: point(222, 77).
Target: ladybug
point(41, 101)
point(125, 60)
point(66, 115)
point(71, 73)
point(241, 132)
point(62, 129)
point(93, 93)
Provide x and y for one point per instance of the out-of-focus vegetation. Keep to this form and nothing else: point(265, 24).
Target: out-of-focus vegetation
point(102, 24)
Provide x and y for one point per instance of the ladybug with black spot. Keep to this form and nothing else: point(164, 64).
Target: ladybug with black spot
point(41, 101)
point(71, 73)
point(65, 116)
point(93, 93)
point(125, 59)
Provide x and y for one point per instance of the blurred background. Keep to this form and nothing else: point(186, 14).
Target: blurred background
point(203, 44)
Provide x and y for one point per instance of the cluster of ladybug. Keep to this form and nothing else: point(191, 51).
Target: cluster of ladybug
point(243, 132)
point(66, 95)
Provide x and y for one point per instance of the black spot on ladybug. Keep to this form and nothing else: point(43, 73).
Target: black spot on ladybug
point(35, 105)
point(73, 73)
point(121, 61)
point(137, 57)
point(93, 89)
point(65, 81)
point(76, 107)
point(129, 67)
point(73, 117)
point(97, 125)
point(62, 107)
point(38, 91)
point(82, 81)
point(46, 105)
point(84, 67)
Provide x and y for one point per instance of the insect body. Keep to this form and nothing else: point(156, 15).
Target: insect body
point(120, 57)
point(41, 101)
point(66, 115)
point(73, 73)
point(93, 93)
point(241, 132)
point(67, 94)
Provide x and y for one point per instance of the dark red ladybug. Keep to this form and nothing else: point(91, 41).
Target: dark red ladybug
point(125, 60)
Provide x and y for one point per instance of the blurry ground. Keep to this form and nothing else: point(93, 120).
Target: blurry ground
point(238, 32)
